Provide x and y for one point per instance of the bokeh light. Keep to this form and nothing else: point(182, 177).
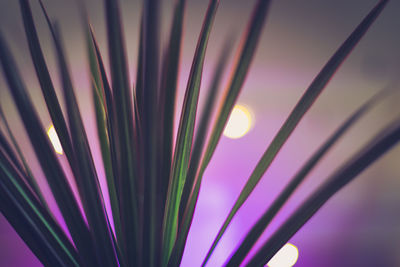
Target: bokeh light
point(239, 123)
point(51, 132)
point(285, 257)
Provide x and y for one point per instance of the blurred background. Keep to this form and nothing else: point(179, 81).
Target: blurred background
point(360, 226)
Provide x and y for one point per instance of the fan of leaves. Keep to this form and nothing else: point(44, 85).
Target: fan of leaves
point(153, 177)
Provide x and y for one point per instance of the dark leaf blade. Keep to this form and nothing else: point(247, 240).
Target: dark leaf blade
point(177, 252)
point(244, 58)
point(125, 150)
point(168, 90)
point(4, 145)
point(112, 130)
point(183, 232)
point(185, 136)
point(43, 249)
point(262, 223)
point(45, 81)
point(139, 92)
point(87, 179)
point(28, 232)
point(166, 107)
point(24, 211)
point(379, 145)
point(149, 119)
point(245, 55)
point(46, 156)
point(241, 67)
point(104, 130)
point(103, 80)
point(204, 123)
point(24, 168)
point(297, 113)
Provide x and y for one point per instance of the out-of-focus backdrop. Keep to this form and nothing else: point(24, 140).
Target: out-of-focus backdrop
point(360, 226)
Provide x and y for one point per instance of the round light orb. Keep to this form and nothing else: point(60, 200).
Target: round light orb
point(239, 123)
point(285, 257)
point(51, 132)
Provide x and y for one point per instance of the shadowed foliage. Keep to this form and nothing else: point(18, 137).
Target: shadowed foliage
point(153, 177)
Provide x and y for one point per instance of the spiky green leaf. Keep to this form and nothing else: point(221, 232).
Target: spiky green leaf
point(380, 144)
point(185, 136)
point(124, 146)
point(87, 180)
point(51, 167)
point(297, 114)
point(262, 223)
point(31, 220)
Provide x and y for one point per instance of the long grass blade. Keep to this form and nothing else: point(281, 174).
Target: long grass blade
point(6, 147)
point(185, 136)
point(262, 223)
point(32, 221)
point(183, 230)
point(107, 131)
point(110, 157)
point(204, 123)
point(104, 130)
point(104, 110)
point(379, 145)
point(26, 169)
point(139, 92)
point(51, 167)
point(245, 55)
point(138, 102)
point(297, 113)
point(92, 197)
point(150, 127)
point(242, 65)
point(29, 233)
point(125, 150)
point(168, 95)
point(111, 121)
point(46, 83)
point(166, 113)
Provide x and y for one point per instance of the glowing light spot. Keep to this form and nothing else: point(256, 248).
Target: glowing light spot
point(239, 122)
point(285, 257)
point(51, 132)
